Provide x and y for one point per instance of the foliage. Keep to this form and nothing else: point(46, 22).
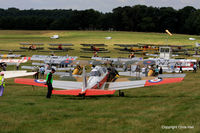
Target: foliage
point(129, 18)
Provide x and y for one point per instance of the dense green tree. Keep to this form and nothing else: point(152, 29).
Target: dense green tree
point(128, 18)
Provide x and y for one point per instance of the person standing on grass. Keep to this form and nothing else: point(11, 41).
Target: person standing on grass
point(181, 69)
point(156, 71)
point(2, 84)
point(37, 72)
point(42, 71)
point(49, 81)
point(161, 70)
point(199, 63)
point(17, 66)
point(195, 68)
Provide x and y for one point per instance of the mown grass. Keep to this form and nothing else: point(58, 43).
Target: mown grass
point(11, 39)
point(142, 110)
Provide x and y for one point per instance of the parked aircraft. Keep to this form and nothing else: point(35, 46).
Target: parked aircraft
point(166, 64)
point(32, 46)
point(22, 60)
point(100, 82)
point(60, 46)
point(54, 59)
point(152, 47)
point(93, 48)
point(10, 55)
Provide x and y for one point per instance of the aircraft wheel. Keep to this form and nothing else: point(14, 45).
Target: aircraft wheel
point(121, 94)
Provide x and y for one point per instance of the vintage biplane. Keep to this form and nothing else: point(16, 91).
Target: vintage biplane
point(100, 82)
point(137, 47)
point(144, 48)
point(61, 47)
point(94, 48)
point(32, 46)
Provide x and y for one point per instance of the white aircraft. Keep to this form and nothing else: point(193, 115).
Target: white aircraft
point(22, 60)
point(166, 64)
point(97, 84)
point(9, 55)
point(108, 38)
point(54, 59)
point(192, 39)
point(55, 37)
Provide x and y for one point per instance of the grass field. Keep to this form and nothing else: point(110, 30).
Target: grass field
point(11, 39)
point(142, 110)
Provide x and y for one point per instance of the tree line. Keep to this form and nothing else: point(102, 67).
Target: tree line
point(129, 18)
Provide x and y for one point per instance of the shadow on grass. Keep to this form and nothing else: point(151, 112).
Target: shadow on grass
point(82, 97)
point(105, 96)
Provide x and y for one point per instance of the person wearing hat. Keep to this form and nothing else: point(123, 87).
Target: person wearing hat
point(2, 83)
point(49, 81)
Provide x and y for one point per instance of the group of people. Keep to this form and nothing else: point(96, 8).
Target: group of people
point(39, 71)
point(113, 74)
point(153, 71)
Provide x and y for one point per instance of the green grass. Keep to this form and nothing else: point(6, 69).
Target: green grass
point(11, 39)
point(142, 110)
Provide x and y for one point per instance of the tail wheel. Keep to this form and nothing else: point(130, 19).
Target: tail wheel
point(121, 94)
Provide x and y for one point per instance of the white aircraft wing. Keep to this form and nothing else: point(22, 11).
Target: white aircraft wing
point(13, 74)
point(131, 74)
point(28, 67)
point(126, 85)
point(142, 83)
point(67, 85)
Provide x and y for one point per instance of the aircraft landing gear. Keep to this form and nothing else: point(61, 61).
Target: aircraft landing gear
point(82, 95)
point(121, 94)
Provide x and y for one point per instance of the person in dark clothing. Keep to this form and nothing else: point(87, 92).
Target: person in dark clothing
point(37, 72)
point(181, 69)
point(17, 66)
point(199, 63)
point(195, 67)
point(161, 70)
point(112, 73)
point(49, 81)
